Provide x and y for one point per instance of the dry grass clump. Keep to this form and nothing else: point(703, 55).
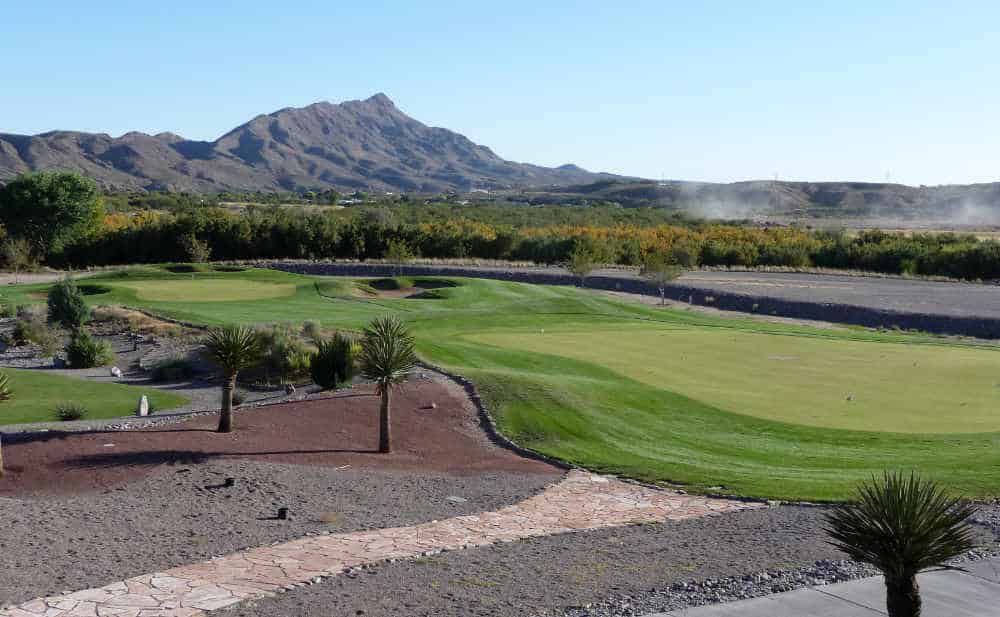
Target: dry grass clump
point(136, 321)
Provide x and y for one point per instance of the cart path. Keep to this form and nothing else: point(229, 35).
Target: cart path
point(580, 501)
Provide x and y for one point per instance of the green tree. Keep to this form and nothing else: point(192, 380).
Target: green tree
point(18, 255)
point(398, 253)
point(233, 349)
point(50, 209)
point(67, 306)
point(387, 356)
point(902, 525)
point(586, 256)
point(659, 269)
point(195, 250)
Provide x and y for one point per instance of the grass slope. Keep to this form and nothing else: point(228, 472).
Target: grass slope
point(751, 408)
point(36, 394)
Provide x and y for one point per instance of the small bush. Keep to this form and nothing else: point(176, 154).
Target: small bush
point(31, 311)
point(8, 310)
point(67, 306)
point(67, 412)
point(312, 330)
point(84, 351)
point(173, 369)
point(286, 356)
point(5, 391)
point(31, 328)
point(333, 363)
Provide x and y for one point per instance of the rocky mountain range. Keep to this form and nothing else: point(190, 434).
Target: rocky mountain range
point(366, 145)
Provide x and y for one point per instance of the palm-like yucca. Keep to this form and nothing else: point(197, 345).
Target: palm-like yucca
point(387, 356)
point(233, 348)
point(902, 525)
point(5, 394)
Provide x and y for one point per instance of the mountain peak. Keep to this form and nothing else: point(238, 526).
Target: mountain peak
point(379, 98)
point(354, 145)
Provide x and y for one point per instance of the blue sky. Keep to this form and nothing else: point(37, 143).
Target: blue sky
point(717, 91)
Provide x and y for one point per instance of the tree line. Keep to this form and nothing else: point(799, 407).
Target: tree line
point(61, 220)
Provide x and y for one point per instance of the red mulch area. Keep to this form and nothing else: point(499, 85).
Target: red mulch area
point(335, 431)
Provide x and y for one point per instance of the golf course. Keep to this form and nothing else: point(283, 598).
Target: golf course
point(719, 405)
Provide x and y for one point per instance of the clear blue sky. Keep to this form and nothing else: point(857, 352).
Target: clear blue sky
point(692, 90)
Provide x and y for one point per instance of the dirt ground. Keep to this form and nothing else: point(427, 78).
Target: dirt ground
point(336, 431)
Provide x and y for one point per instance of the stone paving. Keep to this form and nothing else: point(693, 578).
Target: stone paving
point(581, 501)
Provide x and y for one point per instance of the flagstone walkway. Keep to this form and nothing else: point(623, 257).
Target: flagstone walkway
point(581, 501)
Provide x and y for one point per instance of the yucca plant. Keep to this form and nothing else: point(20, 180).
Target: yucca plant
point(387, 356)
point(333, 363)
point(902, 525)
point(5, 391)
point(5, 394)
point(233, 348)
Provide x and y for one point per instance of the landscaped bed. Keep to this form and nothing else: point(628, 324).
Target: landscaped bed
point(86, 509)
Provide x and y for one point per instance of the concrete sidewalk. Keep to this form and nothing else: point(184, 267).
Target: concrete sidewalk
point(947, 593)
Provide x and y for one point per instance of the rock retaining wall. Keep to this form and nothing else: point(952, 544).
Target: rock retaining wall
point(980, 327)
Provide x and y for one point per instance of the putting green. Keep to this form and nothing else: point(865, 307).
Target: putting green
point(207, 290)
point(857, 385)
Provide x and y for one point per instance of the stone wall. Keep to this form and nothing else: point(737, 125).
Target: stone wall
point(980, 327)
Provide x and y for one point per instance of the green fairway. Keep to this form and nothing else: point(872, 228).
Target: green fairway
point(207, 290)
point(36, 394)
point(858, 385)
point(720, 404)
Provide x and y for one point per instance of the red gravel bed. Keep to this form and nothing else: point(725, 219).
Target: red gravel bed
point(336, 431)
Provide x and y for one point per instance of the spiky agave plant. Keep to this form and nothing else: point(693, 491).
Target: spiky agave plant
point(901, 525)
point(233, 348)
point(387, 356)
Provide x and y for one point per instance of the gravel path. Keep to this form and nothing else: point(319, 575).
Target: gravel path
point(619, 572)
point(174, 517)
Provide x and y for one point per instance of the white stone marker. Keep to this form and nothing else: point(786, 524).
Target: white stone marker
point(143, 409)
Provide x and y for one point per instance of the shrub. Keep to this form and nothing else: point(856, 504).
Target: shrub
point(67, 306)
point(312, 330)
point(67, 412)
point(5, 391)
point(8, 310)
point(84, 351)
point(333, 363)
point(286, 355)
point(173, 369)
point(31, 328)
